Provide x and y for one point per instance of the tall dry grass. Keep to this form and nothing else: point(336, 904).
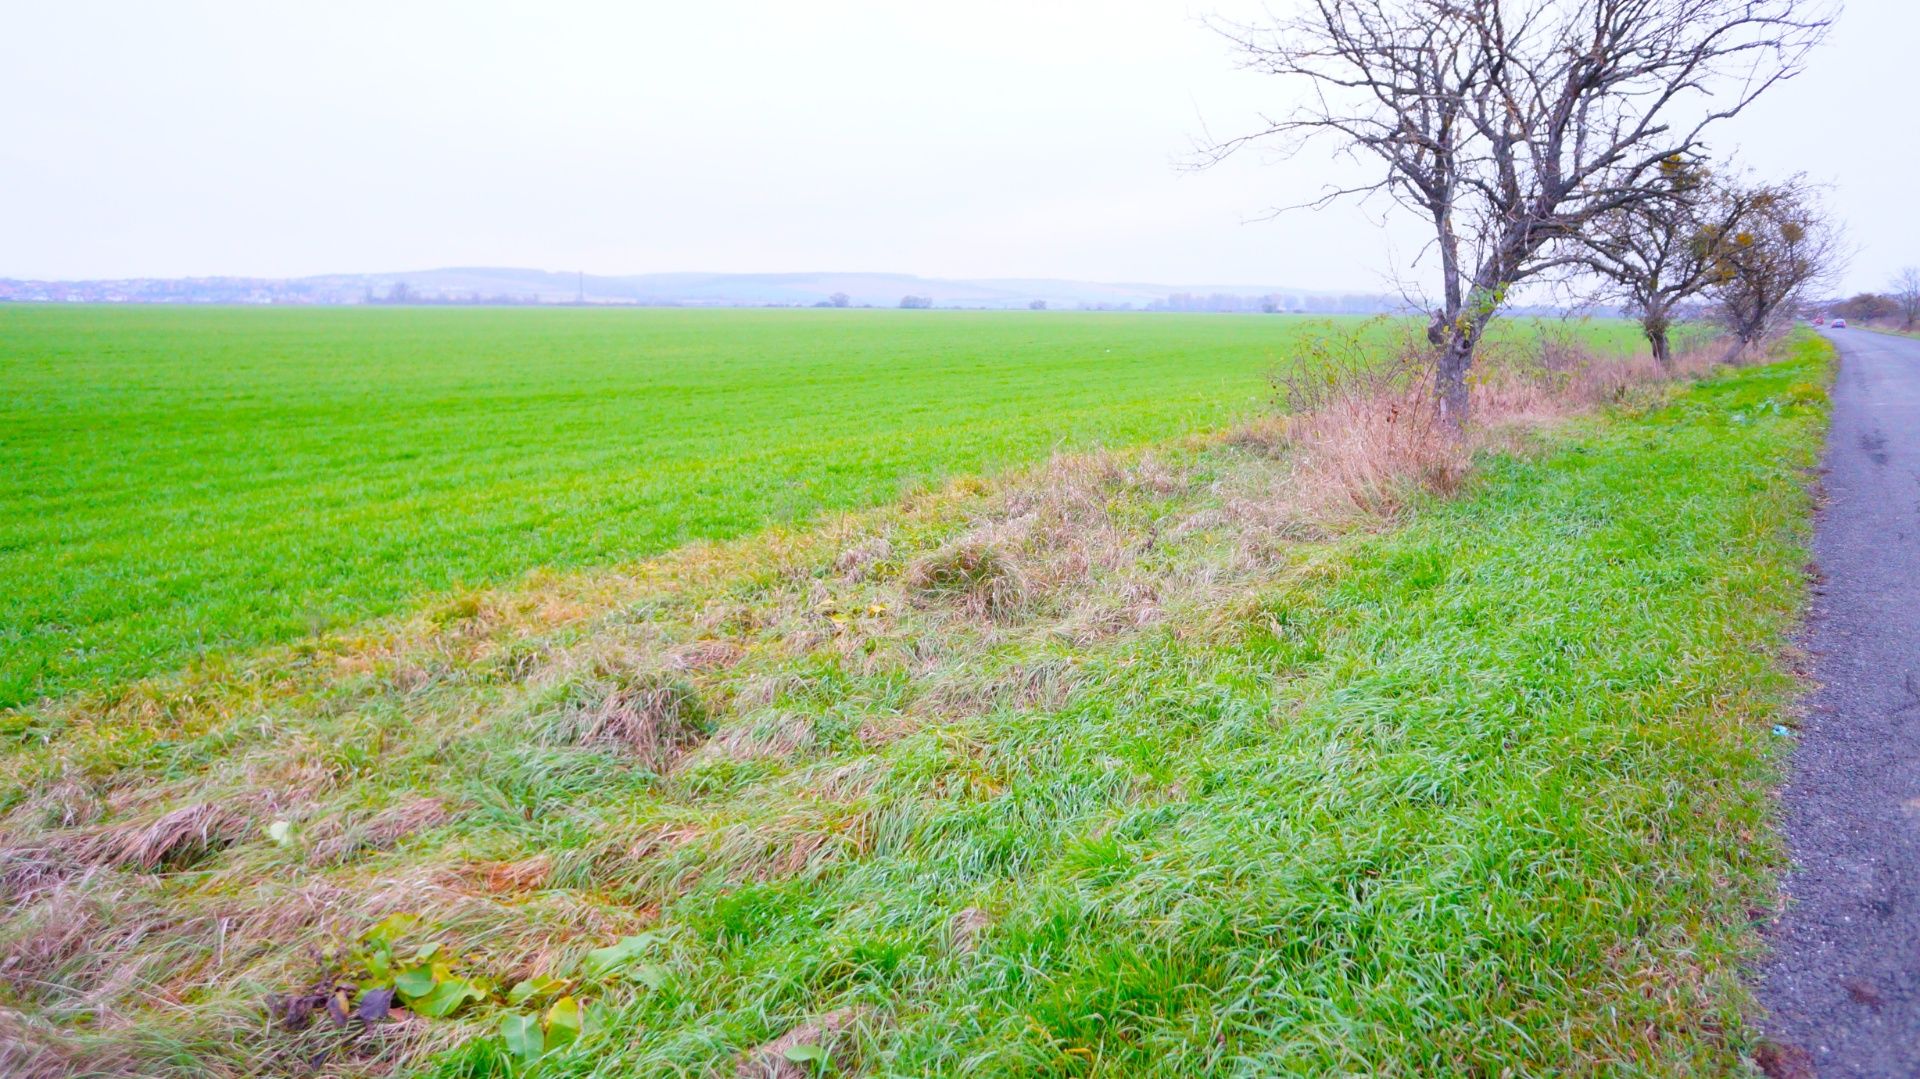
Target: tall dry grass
point(1362, 423)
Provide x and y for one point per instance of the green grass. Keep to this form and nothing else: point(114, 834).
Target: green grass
point(1220, 791)
point(182, 482)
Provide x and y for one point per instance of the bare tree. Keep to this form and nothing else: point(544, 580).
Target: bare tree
point(1512, 124)
point(1906, 293)
point(1657, 254)
point(1783, 248)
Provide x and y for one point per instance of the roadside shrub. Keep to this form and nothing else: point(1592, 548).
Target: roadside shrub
point(1362, 422)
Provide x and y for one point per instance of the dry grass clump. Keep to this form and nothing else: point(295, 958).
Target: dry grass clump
point(335, 840)
point(704, 655)
point(1061, 547)
point(1557, 375)
point(46, 929)
point(656, 719)
point(965, 929)
point(777, 738)
point(1369, 451)
point(25, 1052)
point(524, 875)
point(1364, 430)
point(974, 573)
point(174, 839)
point(69, 804)
point(854, 563)
point(1037, 686)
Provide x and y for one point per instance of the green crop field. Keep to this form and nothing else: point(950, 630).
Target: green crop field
point(177, 482)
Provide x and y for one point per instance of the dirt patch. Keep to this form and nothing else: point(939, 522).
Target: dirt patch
point(828, 1034)
point(1777, 1061)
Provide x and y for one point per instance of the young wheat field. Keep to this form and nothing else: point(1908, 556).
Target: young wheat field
point(181, 482)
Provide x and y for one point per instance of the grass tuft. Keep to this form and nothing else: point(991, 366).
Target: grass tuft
point(654, 719)
point(972, 573)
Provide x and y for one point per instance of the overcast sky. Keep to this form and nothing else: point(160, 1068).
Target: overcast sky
point(977, 139)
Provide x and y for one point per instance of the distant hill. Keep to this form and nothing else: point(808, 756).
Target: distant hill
point(506, 285)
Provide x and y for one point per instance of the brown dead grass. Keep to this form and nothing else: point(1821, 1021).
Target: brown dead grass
point(973, 573)
point(517, 877)
point(656, 720)
point(335, 841)
point(1365, 434)
point(1368, 452)
point(967, 927)
point(704, 655)
point(176, 839)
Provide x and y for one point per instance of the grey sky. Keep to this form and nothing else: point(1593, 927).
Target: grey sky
point(975, 139)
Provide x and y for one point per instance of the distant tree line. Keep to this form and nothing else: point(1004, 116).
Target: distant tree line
point(402, 293)
point(1898, 306)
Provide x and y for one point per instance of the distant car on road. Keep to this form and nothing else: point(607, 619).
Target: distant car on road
point(1839, 324)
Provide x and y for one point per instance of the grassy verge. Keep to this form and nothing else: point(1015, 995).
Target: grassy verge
point(1119, 765)
point(1891, 331)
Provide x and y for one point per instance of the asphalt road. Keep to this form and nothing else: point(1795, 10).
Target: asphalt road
point(1843, 984)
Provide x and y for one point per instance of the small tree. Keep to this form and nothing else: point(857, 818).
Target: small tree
point(839, 299)
point(1906, 293)
point(1510, 125)
point(1037, 305)
point(1658, 254)
point(1783, 247)
point(916, 303)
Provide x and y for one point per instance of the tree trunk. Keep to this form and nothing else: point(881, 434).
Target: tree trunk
point(1450, 378)
point(1654, 323)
